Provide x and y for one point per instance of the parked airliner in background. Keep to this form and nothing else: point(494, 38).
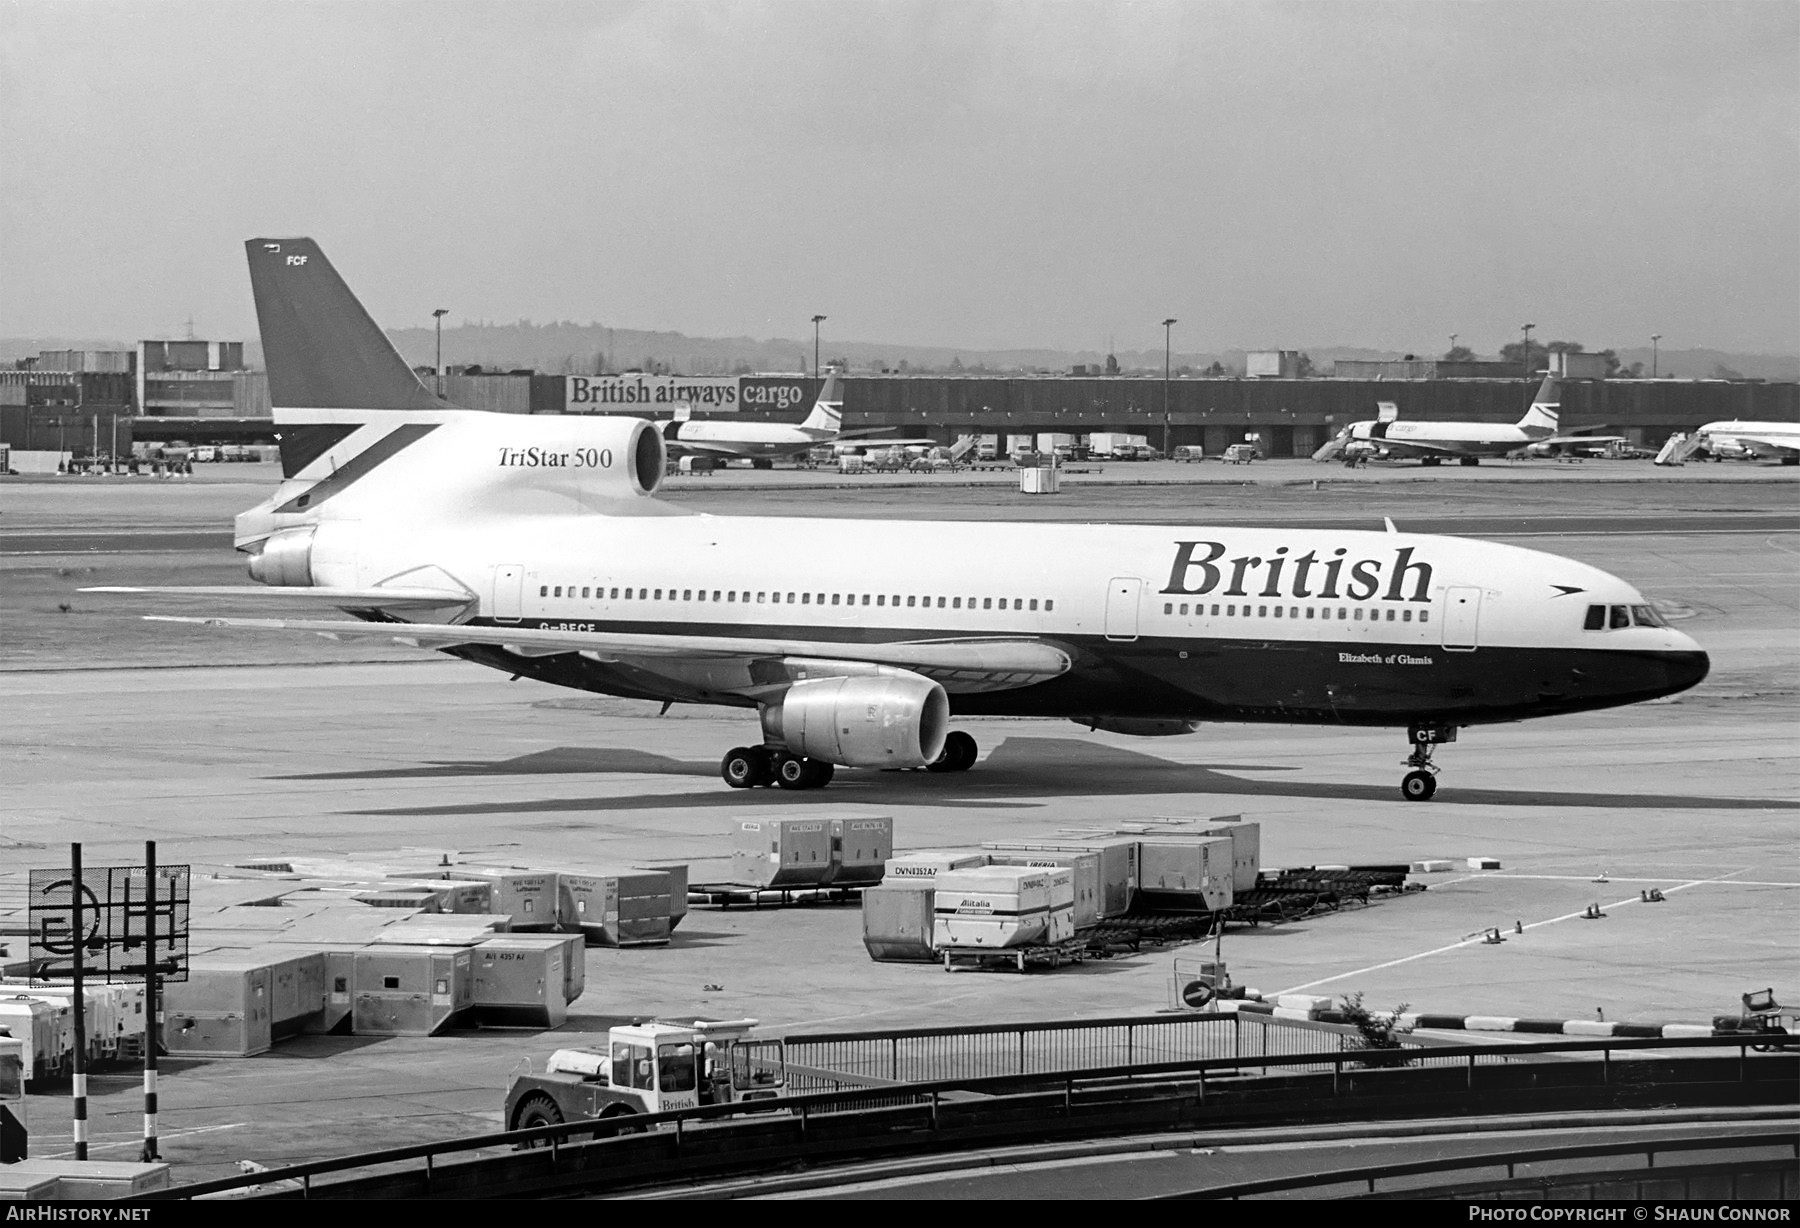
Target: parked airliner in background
point(1467, 443)
point(536, 545)
point(765, 442)
point(1733, 440)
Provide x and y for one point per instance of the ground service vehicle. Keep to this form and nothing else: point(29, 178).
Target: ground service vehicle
point(650, 1068)
point(1190, 452)
point(1239, 454)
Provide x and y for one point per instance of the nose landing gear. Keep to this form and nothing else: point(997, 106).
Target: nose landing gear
point(1419, 784)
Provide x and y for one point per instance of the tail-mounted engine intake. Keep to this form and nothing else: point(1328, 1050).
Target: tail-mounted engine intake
point(285, 559)
point(889, 722)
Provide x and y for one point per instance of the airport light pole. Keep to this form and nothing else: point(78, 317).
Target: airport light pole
point(438, 318)
point(1527, 330)
point(1167, 325)
point(1654, 338)
point(817, 320)
point(1452, 342)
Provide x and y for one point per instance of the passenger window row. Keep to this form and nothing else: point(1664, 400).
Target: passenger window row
point(1617, 617)
point(589, 592)
point(1323, 614)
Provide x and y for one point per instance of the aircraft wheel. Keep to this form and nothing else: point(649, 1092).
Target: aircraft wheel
point(960, 750)
point(762, 462)
point(1418, 786)
point(794, 772)
point(1470, 460)
point(745, 768)
point(537, 1110)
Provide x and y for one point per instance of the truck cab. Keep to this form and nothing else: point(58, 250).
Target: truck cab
point(655, 1067)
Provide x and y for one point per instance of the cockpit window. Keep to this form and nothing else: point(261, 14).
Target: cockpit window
point(1617, 617)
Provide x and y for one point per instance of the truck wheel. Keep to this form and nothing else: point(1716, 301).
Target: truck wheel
point(535, 1111)
point(616, 1112)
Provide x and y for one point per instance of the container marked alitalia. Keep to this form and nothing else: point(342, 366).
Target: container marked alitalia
point(535, 544)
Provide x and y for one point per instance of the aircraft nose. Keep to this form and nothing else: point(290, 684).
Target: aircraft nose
point(1685, 667)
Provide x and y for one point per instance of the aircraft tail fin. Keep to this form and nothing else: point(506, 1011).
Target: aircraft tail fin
point(322, 350)
point(1546, 408)
point(828, 411)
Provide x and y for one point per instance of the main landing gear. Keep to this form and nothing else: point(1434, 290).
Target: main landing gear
point(750, 767)
point(745, 767)
point(958, 754)
point(1419, 784)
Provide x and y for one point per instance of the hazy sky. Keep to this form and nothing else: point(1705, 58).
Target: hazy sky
point(971, 174)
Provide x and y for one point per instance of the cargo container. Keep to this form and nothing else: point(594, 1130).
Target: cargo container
point(1003, 906)
point(519, 981)
point(1246, 842)
point(462, 897)
point(410, 991)
point(859, 850)
point(115, 1013)
point(221, 1010)
point(1184, 874)
point(296, 987)
point(678, 885)
point(411, 899)
point(924, 865)
point(339, 1001)
point(1040, 480)
point(1246, 851)
point(1084, 866)
point(619, 908)
point(781, 852)
point(47, 1030)
point(527, 896)
point(438, 930)
point(898, 921)
point(1118, 863)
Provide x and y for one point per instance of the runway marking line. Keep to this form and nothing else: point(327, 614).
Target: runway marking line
point(1478, 939)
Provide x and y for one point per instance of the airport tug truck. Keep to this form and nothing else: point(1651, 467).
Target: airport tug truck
point(655, 1067)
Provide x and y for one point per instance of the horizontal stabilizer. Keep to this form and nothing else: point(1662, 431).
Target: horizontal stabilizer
point(1016, 662)
point(380, 598)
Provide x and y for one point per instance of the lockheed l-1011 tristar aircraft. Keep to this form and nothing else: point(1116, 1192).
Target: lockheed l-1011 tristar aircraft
point(536, 545)
point(1432, 443)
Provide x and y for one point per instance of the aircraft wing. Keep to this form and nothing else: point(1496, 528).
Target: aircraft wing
point(381, 598)
point(1407, 447)
point(971, 664)
point(859, 445)
point(708, 447)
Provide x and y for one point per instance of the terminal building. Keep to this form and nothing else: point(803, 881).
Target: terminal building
point(200, 392)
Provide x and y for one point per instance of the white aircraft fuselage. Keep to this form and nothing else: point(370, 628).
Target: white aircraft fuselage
point(535, 544)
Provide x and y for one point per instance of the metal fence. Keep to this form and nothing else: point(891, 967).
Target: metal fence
point(835, 1061)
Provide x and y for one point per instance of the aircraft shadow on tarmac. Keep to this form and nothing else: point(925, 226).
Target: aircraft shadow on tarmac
point(1021, 771)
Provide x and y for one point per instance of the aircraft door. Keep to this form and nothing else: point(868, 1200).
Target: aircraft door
point(1462, 615)
point(509, 583)
point(1123, 596)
